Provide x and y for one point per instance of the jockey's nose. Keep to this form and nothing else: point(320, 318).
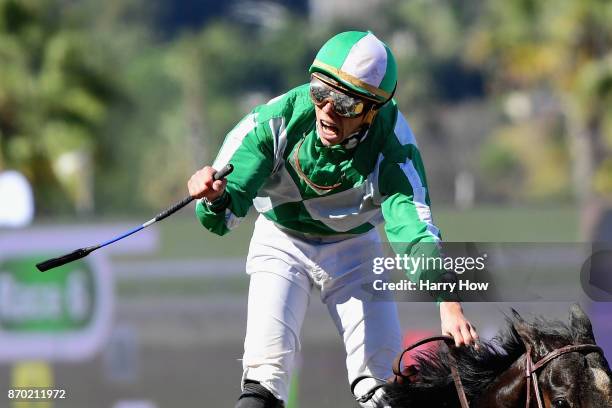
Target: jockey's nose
point(328, 107)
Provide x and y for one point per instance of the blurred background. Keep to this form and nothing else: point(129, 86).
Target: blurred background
point(107, 108)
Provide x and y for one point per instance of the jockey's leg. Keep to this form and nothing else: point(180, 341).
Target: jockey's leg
point(372, 338)
point(276, 310)
point(369, 327)
point(279, 294)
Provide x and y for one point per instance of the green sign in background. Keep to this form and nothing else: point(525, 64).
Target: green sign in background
point(61, 300)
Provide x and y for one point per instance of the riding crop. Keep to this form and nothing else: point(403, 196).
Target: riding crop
point(83, 252)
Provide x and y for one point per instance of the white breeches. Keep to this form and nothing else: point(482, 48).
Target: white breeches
point(283, 269)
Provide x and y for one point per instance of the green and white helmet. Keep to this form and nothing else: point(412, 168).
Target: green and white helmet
point(359, 61)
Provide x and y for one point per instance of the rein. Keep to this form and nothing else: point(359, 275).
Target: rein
point(448, 341)
point(531, 368)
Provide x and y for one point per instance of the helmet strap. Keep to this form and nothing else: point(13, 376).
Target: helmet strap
point(375, 108)
point(369, 117)
point(353, 141)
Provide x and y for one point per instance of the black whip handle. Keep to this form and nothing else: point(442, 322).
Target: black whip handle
point(64, 259)
point(171, 210)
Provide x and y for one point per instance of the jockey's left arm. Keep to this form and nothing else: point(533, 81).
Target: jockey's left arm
point(409, 224)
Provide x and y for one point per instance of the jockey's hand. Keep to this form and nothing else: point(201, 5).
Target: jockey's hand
point(455, 324)
point(202, 185)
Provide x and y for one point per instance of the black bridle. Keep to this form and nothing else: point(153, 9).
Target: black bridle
point(531, 368)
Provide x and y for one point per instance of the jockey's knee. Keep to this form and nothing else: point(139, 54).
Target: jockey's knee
point(255, 395)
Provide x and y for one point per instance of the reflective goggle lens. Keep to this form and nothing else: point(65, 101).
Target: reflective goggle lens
point(344, 105)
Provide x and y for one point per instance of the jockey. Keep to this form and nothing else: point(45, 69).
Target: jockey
point(323, 164)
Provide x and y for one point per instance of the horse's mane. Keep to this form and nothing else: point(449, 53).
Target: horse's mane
point(477, 368)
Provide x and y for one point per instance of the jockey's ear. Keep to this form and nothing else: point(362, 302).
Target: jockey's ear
point(580, 325)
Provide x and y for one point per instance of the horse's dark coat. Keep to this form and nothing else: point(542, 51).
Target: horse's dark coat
point(479, 369)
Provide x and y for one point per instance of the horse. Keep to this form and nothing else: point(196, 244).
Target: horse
point(542, 363)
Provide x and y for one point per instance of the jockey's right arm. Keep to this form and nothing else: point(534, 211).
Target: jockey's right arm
point(247, 147)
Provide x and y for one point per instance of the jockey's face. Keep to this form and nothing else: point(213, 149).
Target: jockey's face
point(333, 128)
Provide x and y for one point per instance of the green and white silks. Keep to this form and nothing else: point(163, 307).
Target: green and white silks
point(381, 179)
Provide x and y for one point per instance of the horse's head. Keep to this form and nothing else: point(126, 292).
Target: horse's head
point(570, 371)
point(574, 379)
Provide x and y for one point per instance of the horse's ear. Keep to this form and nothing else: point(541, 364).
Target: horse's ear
point(580, 325)
point(529, 335)
point(524, 330)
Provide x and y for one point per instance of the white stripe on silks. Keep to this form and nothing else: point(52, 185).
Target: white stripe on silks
point(345, 210)
point(278, 189)
point(279, 136)
point(403, 132)
point(419, 195)
point(231, 221)
point(425, 215)
point(373, 182)
point(367, 60)
point(234, 140)
point(412, 174)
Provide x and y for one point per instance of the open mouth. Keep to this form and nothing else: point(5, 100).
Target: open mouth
point(328, 127)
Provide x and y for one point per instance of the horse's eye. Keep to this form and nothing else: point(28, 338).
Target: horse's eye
point(560, 403)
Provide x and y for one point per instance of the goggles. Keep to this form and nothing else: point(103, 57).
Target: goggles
point(344, 103)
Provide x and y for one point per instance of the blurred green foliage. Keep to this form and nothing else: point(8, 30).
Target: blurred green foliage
point(558, 56)
point(104, 114)
point(55, 93)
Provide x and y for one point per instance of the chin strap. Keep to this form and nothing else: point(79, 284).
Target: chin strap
point(358, 137)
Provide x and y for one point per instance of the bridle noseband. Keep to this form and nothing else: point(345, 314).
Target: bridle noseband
point(531, 368)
